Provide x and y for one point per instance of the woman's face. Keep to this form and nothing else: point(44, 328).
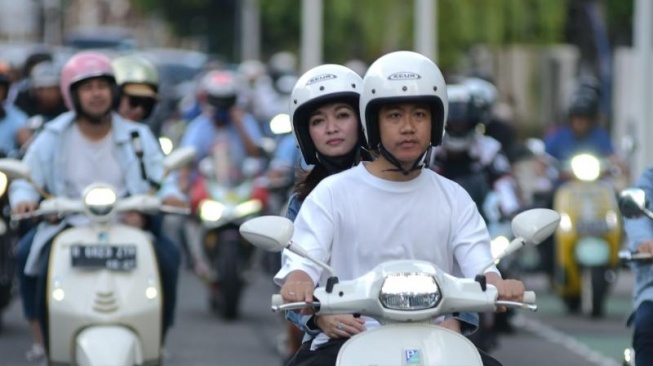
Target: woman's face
point(334, 129)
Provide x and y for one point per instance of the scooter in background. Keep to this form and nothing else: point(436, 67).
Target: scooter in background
point(103, 291)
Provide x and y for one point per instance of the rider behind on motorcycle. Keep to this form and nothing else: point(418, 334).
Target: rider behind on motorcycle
point(582, 132)
point(403, 114)
point(640, 239)
point(223, 121)
point(89, 144)
point(44, 97)
point(138, 82)
point(326, 127)
point(471, 159)
point(12, 120)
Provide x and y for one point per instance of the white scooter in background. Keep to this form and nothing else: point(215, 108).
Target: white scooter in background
point(405, 296)
point(104, 301)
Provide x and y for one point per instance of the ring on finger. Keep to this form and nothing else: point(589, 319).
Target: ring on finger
point(340, 326)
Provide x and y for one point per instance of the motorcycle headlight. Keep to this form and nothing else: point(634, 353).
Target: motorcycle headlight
point(280, 124)
point(248, 208)
point(211, 210)
point(586, 167)
point(410, 291)
point(3, 183)
point(166, 145)
point(100, 200)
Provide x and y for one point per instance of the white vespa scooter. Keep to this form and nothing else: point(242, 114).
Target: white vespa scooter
point(405, 296)
point(103, 290)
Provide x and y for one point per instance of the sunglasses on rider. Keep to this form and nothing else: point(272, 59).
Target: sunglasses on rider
point(146, 102)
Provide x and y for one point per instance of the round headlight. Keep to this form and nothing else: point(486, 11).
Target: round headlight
point(211, 210)
point(280, 124)
point(586, 167)
point(3, 183)
point(100, 200)
point(166, 145)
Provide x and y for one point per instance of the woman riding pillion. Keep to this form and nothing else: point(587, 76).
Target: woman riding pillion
point(326, 127)
point(391, 208)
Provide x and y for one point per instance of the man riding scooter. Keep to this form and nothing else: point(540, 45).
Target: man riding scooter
point(589, 236)
point(89, 144)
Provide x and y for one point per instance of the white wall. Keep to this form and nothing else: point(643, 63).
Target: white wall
point(18, 20)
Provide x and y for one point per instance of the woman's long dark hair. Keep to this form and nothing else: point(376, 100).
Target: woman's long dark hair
point(307, 180)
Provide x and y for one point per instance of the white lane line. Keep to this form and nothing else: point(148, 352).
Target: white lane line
point(554, 336)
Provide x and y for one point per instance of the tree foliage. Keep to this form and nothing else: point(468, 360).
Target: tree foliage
point(366, 28)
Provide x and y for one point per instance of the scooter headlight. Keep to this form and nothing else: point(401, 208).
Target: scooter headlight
point(100, 200)
point(280, 124)
point(3, 183)
point(248, 208)
point(211, 210)
point(586, 167)
point(166, 145)
point(410, 291)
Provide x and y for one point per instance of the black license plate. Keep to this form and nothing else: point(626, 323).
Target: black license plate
point(112, 257)
point(592, 227)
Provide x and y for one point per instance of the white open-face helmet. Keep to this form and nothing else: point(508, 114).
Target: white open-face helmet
point(318, 86)
point(398, 77)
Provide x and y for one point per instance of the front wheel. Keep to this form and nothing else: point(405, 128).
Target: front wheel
point(228, 264)
point(594, 290)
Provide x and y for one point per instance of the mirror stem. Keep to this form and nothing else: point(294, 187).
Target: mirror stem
point(514, 245)
point(303, 253)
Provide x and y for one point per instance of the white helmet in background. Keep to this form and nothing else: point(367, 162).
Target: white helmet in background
point(316, 87)
point(398, 77)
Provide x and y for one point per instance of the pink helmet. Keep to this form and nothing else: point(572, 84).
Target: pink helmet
point(82, 66)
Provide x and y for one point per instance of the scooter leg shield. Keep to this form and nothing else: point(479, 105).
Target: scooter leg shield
point(108, 346)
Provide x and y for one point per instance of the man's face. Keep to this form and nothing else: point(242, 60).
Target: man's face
point(95, 97)
point(405, 130)
point(48, 96)
point(580, 125)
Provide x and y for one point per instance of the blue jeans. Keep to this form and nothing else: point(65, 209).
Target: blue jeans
point(33, 289)
point(643, 336)
point(27, 283)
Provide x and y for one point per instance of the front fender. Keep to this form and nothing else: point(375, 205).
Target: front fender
point(108, 345)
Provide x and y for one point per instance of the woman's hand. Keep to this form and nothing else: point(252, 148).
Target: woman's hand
point(340, 326)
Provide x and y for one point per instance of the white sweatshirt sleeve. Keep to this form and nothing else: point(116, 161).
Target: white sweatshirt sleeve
point(314, 228)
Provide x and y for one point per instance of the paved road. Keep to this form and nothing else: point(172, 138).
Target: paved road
point(548, 337)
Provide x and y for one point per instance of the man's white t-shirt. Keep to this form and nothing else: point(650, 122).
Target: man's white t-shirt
point(354, 221)
point(91, 162)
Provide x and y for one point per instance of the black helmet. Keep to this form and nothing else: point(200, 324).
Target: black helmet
point(466, 111)
point(584, 103)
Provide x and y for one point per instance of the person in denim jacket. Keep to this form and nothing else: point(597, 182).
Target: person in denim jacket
point(325, 123)
point(640, 239)
point(89, 144)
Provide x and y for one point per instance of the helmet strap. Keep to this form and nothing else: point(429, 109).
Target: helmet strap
point(417, 165)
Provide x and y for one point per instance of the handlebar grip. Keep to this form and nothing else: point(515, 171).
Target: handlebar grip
point(530, 297)
point(277, 300)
